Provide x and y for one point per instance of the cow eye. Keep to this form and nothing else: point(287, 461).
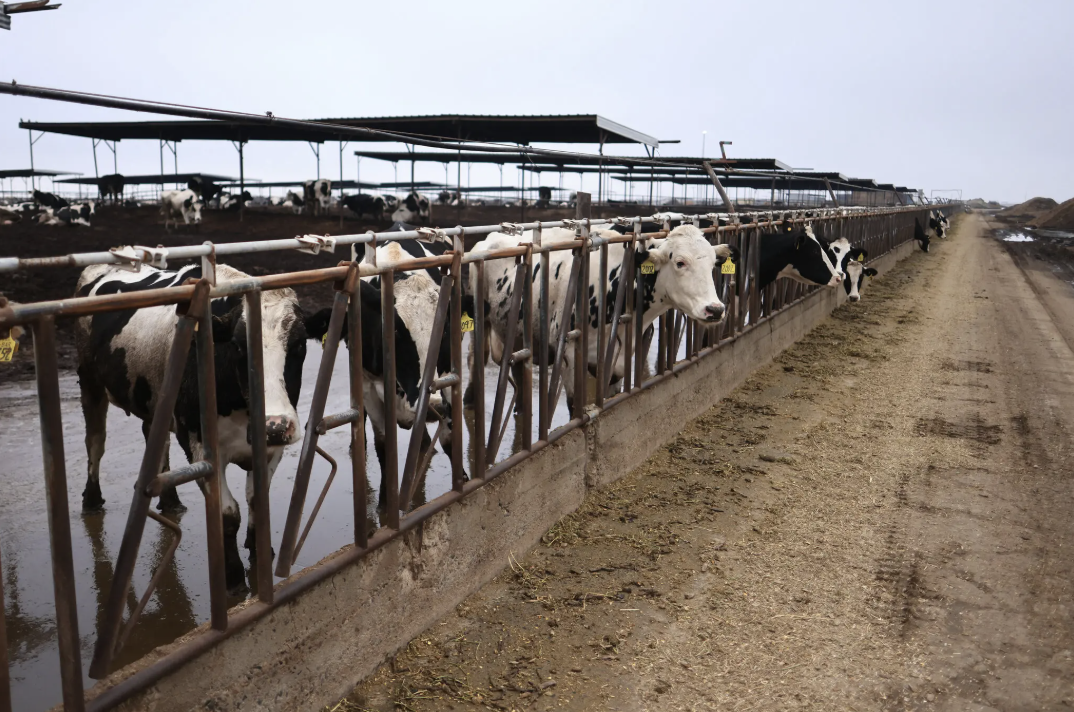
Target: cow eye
point(680, 264)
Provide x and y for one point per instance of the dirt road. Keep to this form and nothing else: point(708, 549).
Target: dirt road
point(880, 520)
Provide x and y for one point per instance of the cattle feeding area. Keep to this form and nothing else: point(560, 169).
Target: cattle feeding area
point(637, 300)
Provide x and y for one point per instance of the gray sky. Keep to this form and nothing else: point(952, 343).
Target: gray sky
point(972, 95)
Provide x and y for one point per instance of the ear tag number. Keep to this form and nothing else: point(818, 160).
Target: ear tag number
point(467, 323)
point(861, 258)
point(728, 267)
point(324, 338)
point(648, 268)
point(8, 347)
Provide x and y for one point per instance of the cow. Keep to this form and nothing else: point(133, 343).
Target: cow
point(174, 203)
point(363, 204)
point(921, 236)
point(69, 215)
point(414, 208)
point(317, 194)
point(795, 252)
point(234, 202)
point(121, 360)
point(295, 201)
point(544, 197)
point(111, 186)
point(680, 278)
point(416, 295)
point(49, 200)
point(938, 224)
point(9, 215)
point(855, 272)
point(205, 188)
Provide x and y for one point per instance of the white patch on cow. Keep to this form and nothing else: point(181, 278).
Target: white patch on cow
point(854, 274)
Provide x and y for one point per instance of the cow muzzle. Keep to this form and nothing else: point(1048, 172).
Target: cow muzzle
point(280, 430)
point(854, 297)
point(714, 312)
point(836, 279)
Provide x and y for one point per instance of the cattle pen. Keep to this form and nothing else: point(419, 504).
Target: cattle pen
point(308, 634)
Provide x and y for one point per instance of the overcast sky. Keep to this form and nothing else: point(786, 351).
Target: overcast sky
point(972, 95)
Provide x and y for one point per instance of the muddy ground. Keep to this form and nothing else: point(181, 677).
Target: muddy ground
point(878, 520)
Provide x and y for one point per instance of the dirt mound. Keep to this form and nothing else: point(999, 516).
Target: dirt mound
point(1029, 210)
point(983, 204)
point(1058, 218)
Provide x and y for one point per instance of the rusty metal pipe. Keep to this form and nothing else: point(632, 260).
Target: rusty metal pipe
point(260, 511)
point(179, 476)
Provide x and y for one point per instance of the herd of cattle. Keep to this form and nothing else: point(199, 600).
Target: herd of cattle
point(121, 354)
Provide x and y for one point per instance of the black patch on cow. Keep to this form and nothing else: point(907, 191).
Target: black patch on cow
point(141, 395)
point(558, 268)
point(791, 246)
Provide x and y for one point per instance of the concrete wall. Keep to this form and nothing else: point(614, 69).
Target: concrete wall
point(313, 650)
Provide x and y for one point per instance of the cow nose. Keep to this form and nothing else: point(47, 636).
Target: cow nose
point(280, 430)
point(714, 312)
point(854, 297)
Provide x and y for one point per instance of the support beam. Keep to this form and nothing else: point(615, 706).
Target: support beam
point(719, 186)
point(831, 192)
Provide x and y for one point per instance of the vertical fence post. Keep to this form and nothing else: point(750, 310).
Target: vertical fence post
point(455, 334)
point(525, 399)
point(59, 521)
point(479, 371)
point(357, 385)
point(259, 445)
point(544, 407)
point(390, 476)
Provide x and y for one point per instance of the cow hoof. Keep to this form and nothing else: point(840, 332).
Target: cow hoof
point(170, 504)
point(92, 507)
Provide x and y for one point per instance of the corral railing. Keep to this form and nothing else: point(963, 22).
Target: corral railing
point(674, 343)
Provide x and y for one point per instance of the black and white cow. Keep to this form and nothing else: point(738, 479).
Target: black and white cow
point(317, 194)
point(363, 204)
point(795, 252)
point(234, 202)
point(414, 209)
point(69, 215)
point(122, 357)
point(111, 186)
point(205, 188)
point(49, 200)
point(681, 279)
point(938, 224)
point(294, 201)
point(921, 236)
point(185, 203)
point(855, 272)
point(416, 294)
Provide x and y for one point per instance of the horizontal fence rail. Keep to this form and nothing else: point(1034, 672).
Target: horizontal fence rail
point(535, 351)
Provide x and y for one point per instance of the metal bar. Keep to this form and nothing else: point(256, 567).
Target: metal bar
point(286, 558)
point(390, 476)
point(59, 520)
point(581, 309)
point(552, 394)
point(525, 388)
point(478, 384)
point(602, 332)
point(162, 566)
point(178, 476)
point(410, 474)
point(320, 499)
point(545, 408)
point(214, 522)
point(458, 473)
point(626, 268)
point(261, 511)
point(355, 369)
point(112, 615)
point(346, 417)
point(719, 187)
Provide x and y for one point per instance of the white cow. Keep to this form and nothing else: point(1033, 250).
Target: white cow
point(186, 203)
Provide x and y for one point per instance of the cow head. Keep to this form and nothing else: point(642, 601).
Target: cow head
point(921, 236)
point(812, 261)
point(192, 209)
point(283, 340)
point(855, 272)
point(684, 262)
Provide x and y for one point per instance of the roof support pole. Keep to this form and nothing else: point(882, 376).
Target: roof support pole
point(342, 145)
point(719, 186)
point(96, 174)
point(831, 192)
point(600, 169)
point(30, 133)
point(358, 169)
point(161, 147)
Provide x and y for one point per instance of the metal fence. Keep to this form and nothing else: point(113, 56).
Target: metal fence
point(674, 344)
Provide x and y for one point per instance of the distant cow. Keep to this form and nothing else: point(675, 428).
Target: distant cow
point(415, 208)
point(185, 203)
point(204, 187)
point(921, 236)
point(366, 204)
point(938, 224)
point(317, 194)
point(69, 215)
point(544, 197)
point(234, 202)
point(295, 201)
point(121, 361)
point(111, 186)
point(855, 272)
point(49, 200)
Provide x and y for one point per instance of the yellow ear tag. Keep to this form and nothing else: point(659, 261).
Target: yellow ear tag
point(861, 258)
point(8, 347)
point(323, 339)
point(467, 323)
point(648, 268)
point(728, 267)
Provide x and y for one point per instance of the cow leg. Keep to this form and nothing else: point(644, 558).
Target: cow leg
point(374, 410)
point(251, 536)
point(234, 571)
point(95, 412)
point(169, 499)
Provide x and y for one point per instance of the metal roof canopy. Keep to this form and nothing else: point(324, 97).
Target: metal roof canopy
point(524, 130)
point(34, 172)
point(783, 182)
point(151, 179)
point(549, 163)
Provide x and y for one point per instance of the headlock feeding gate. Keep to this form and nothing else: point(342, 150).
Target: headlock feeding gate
point(533, 350)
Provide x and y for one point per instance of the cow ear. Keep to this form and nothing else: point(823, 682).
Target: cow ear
point(870, 272)
point(725, 252)
point(658, 255)
point(222, 329)
point(188, 202)
point(370, 295)
point(317, 324)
